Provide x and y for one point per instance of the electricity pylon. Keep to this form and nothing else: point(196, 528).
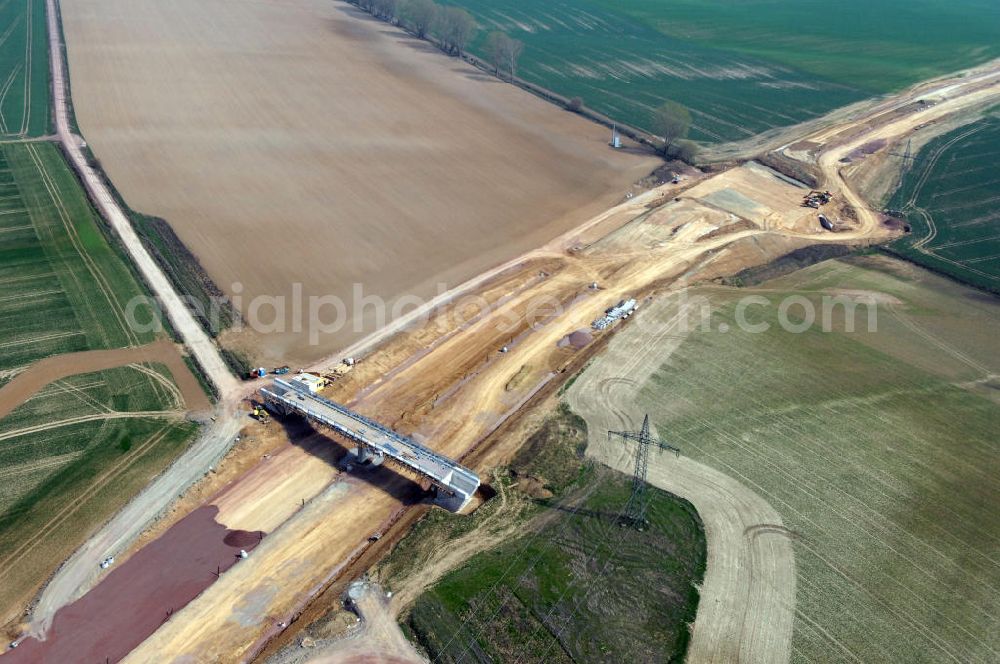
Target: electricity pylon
point(635, 509)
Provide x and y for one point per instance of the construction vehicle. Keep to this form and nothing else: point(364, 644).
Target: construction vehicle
point(816, 198)
point(260, 413)
point(825, 222)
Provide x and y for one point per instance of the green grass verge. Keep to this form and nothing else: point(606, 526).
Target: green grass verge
point(572, 585)
point(206, 302)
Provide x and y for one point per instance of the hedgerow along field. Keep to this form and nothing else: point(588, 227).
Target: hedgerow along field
point(951, 198)
point(741, 67)
point(73, 454)
point(879, 450)
point(24, 69)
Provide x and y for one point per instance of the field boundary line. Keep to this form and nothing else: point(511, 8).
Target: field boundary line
point(114, 415)
point(28, 48)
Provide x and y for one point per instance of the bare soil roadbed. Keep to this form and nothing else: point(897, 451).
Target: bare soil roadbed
point(378, 638)
point(427, 379)
point(424, 381)
point(51, 369)
point(131, 602)
point(305, 142)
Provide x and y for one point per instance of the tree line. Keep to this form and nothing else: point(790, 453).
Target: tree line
point(452, 28)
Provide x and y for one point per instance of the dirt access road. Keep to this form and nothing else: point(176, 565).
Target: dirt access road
point(747, 605)
point(377, 639)
point(948, 97)
point(817, 130)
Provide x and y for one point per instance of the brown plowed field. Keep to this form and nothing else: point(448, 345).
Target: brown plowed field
point(300, 141)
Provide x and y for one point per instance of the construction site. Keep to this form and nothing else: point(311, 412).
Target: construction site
point(307, 475)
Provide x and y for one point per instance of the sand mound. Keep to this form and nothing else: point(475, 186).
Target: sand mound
point(577, 339)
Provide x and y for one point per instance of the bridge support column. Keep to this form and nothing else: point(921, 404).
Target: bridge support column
point(363, 454)
point(453, 502)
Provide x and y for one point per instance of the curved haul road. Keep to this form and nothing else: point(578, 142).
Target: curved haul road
point(747, 605)
point(80, 571)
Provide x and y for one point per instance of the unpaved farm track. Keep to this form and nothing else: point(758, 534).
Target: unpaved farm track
point(747, 605)
point(195, 338)
point(80, 571)
point(51, 369)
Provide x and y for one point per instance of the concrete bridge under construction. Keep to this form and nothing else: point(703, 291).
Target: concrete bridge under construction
point(456, 484)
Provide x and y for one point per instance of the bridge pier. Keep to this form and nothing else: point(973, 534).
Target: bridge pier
point(449, 501)
point(365, 454)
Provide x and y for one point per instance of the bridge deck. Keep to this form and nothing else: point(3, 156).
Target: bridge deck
point(438, 468)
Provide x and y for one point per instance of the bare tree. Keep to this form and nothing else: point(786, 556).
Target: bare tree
point(671, 122)
point(387, 10)
point(421, 15)
point(513, 53)
point(494, 49)
point(455, 28)
point(503, 51)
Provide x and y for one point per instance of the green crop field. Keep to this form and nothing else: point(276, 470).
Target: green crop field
point(24, 68)
point(76, 451)
point(741, 67)
point(879, 450)
point(65, 288)
point(951, 198)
